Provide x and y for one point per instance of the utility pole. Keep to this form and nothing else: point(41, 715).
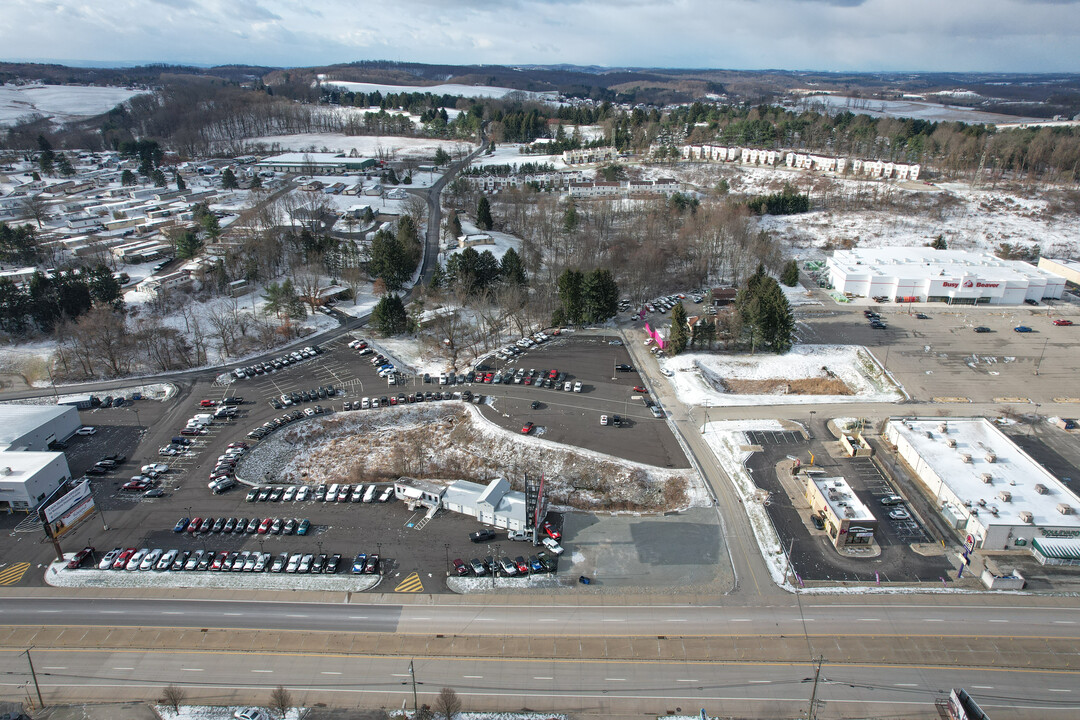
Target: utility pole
point(412, 674)
point(812, 712)
point(41, 703)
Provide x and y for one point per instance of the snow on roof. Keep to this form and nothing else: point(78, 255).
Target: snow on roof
point(841, 500)
point(24, 465)
point(1012, 470)
point(17, 420)
point(922, 262)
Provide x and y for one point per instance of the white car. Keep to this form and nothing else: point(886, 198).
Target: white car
point(86, 430)
point(290, 494)
point(553, 546)
point(166, 560)
point(155, 468)
point(603, 419)
point(577, 386)
point(302, 493)
point(666, 373)
point(250, 713)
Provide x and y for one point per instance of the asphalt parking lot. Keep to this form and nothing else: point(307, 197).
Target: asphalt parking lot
point(812, 554)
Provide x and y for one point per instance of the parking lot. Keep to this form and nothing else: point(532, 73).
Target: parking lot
point(812, 554)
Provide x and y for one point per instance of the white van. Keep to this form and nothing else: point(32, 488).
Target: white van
point(369, 495)
point(332, 492)
point(365, 403)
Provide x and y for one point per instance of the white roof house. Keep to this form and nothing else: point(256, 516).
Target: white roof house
point(33, 427)
point(492, 504)
point(951, 276)
point(983, 483)
point(27, 478)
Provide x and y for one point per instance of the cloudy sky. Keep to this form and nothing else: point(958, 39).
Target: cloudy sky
point(961, 35)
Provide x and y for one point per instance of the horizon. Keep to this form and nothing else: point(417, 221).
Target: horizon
point(864, 36)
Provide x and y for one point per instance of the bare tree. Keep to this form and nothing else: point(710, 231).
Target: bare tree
point(308, 281)
point(281, 700)
point(35, 207)
point(447, 704)
point(173, 696)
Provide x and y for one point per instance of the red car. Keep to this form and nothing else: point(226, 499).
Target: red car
point(527, 428)
point(80, 558)
point(551, 532)
point(207, 403)
point(1063, 322)
point(193, 526)
point(136, 485)
point(122, 560)
point(459, 567)
point(639, 389)
point(264, 526)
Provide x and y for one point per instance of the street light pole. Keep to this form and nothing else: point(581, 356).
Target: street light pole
point(446, 547)
point(33, 674)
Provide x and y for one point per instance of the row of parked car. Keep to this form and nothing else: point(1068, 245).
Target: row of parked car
point(276, 364)
point(132, 559)
point(505, 567)
point(241, 526)
point(322, 493)
point(523, 344)
point(404, 399)
point(290, 417)
point(302, 396)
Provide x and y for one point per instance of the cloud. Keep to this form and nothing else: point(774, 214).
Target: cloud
point(961, 35)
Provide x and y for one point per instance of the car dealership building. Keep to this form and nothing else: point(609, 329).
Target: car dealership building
point(955, 277)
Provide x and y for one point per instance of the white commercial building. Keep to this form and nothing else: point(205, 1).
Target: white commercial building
point(956, 277)
point(1068, 269)
point(35, 427)
point(492, 504)
point(984, 485)
point(27, 478)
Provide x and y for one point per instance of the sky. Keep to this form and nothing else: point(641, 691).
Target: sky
point(843, 35)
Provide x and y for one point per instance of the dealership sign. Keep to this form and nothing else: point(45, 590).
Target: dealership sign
point(968, 284)
point(64, 510)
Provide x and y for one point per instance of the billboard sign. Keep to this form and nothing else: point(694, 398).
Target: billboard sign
point(65, 508)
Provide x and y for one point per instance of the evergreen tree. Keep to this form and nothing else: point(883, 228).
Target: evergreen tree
point(939, 243)
point(441, 156)
point(569, 287)
point(180, 184)
point(600, 296)
point(18, 245)
point(679, 332)
point(127, 178)
point(64, 165)
point(511, 269)
point(438, 278)
point(281, 299)
point(790, 276)
point(104, 288)
point(484, 220)
point(766, 313)
point(46, 157)
point(570, 217)
point(256, 182)
point(228, 180)
point(454, 224)
point(487, 271)
point(188, 245)
point(389, 261)
point(14, 307)
point(158, 178)
point(389, 316)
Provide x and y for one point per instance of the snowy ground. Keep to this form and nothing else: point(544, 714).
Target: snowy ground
point(510, 154)
point(918, 109)
point(472, 91)
point(455, 441)
point(798, 296)
point(502, 242)
point(469, 585)
point(726, 439)
point(58, 575)
point(62, 103)
point(365, 145)
point(214, 712)
point(157, 391)
point(696, 375)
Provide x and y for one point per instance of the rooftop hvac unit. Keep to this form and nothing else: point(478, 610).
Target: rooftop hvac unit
point(987, 478)
point(5, 470)
point(943, 428)
point(951, 442)
point(966, 457)
point(990, 457)
point(982, 502)
point(1005, 496)
point(1064, 508)
point(1041, 489)
point(929, 435)
point(1026, 516)
point(849, 512)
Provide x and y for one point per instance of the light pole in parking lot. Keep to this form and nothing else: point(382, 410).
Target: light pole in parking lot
point(446, 546)
point(812, 423)
point(319, 543)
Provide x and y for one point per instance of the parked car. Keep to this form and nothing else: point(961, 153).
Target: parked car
point(1022, 329)
point(527, 428)
point(482, 535)
point(553, 546)
point(982, 329)
point(1063, 322)
point(80, 557)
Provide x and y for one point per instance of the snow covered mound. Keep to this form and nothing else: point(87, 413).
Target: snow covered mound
point(453, 441)
point(807, 374)
point(215, 712)
point(62, 103)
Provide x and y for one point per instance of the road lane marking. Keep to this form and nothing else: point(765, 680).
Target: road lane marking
point(124, 668)
point(232, 614)
point(676, 620)
point(739, 620)
point(611, 620)
point(542, 678)
point(48, 611)
point(399, 675)
point(983, 687)
point(192, 669)
point(330, 672)
point(681, 680)
point(614, 679)
point(171, 612)
point(473, 677)
point(1064, 622)
point(1057, 690)
point(997, 621)
point(263, 671)
point(933, 620)
point(358, 617)
point(905, 685)
point(54, 667)
point(298, 616)
point(869, 619)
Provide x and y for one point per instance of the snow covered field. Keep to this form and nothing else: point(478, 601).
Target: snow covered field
point(59, 576)
point(510, 154)
point(917, 109)
point(365, 145)
point(502, 241)
point(214, 712)
point(62, 103)
point(697, 376)
point(472, 91)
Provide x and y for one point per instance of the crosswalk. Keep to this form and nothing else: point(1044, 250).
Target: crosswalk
point(13, 574)
point(410, 584)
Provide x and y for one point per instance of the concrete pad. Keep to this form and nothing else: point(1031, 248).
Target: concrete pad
point(617, 647)
point(516, 647)
point(567, 648)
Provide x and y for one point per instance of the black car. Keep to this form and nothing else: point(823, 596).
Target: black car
point(982, 329)
point(624, 368)
point(232, 401)
point(482, 535)
point(534, 404)
point(332, 564)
